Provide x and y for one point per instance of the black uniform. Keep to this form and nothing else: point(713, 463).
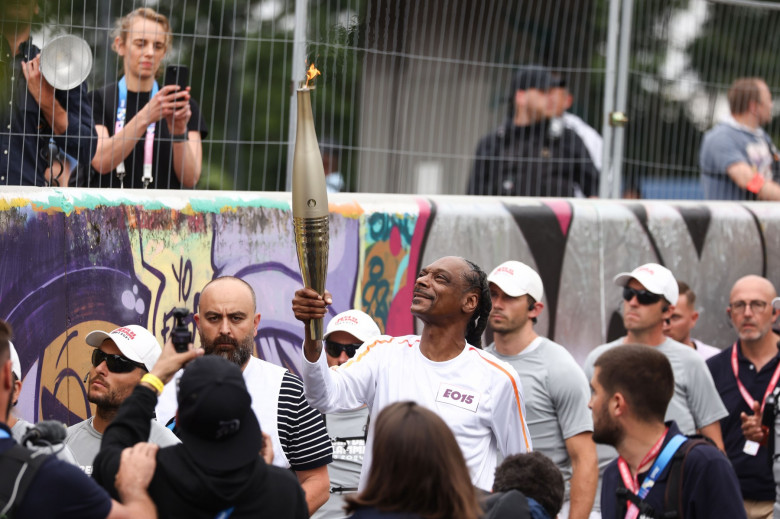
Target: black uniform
point(181, 487)
point(543, 159)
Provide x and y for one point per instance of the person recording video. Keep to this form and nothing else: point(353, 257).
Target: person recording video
point(148, 135)
point(35, 119)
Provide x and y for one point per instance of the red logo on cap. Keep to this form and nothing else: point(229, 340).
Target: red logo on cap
point(347, 319)
point(647, 269)
point(505, 269)
point(127, 332)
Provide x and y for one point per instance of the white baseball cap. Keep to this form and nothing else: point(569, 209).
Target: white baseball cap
point(655, 278)
point(776, 303)
point(517, 279)
point(354, 322)
point(135, 342)
point(16, 366)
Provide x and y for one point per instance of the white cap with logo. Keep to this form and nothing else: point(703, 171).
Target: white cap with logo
point(135, 342)
point(16, 366)
point(655, 278)
point(356, 323)
point(517, 279)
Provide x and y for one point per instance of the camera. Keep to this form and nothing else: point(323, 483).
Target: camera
point(180, 335)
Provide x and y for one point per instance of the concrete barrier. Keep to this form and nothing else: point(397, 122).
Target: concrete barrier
point(78, 260)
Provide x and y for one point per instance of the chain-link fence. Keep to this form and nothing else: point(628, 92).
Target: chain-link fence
point(414, 97)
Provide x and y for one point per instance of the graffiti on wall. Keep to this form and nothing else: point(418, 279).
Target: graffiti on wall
point(77, 261)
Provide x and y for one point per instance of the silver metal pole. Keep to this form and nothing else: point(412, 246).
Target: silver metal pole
point(298, 75)
point(607, 175)
point(622, 92)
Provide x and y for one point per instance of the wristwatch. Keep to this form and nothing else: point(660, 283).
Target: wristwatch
point(180, 137)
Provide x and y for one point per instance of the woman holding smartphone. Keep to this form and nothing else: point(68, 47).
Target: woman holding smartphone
point(148, 135)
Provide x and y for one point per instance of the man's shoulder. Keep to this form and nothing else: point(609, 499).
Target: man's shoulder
point(596, 352)
point(678, 350)
point(81, 430)
point(721, 359)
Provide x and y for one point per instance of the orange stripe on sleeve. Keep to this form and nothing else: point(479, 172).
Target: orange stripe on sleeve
point(357, 358)
point(517, 396)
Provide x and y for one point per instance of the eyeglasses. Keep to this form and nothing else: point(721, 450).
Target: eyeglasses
point(756, 307)
point(642, 296)
point(334, 349)
point(115, 363)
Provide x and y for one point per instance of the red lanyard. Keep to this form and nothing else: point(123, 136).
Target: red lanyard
point(744, 392)
point(631, 482)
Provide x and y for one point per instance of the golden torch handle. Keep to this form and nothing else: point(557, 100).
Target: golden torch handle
point(310, 206)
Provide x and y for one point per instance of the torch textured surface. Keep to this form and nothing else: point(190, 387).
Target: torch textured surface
point(310, 206)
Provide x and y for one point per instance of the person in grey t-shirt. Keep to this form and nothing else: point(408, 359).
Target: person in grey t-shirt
point(649, 295)
point(19, 426)
point(737, 158)
point(119, 360)
point(345, 333)
point(554, 386)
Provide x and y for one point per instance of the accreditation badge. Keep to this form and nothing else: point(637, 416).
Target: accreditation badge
point(751, 448)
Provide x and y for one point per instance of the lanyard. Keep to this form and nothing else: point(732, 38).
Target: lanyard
point(121, 114)
point(660, 463)
point(742, 390)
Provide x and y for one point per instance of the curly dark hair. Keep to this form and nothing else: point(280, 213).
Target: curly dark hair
point(536, 476)
point(476, 280)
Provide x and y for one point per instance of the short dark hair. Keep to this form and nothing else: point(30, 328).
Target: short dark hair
point(476, 280)
point(5, 341)
point(684, 290)
point(536, 476)
point(417, 467)
point(742, 92)
point(642, 374)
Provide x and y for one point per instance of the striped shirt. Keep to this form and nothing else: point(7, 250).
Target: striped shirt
point(298, 434)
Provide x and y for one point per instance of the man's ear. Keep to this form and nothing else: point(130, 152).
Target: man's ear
point(257, 323)
point(196, 319)
point(470, 302)
point(618, 404)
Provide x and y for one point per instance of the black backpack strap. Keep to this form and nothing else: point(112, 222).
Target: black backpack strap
point(18, 467)
point(624, 495)
point(673, 502)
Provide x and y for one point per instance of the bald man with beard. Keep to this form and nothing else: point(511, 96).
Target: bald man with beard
point(744, 374)
point(227, 322)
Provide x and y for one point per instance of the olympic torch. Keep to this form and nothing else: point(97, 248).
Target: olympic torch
point(310, 202)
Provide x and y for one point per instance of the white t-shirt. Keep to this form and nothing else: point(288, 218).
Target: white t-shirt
point(84, 441)
point(478, 396)
point(705, 350)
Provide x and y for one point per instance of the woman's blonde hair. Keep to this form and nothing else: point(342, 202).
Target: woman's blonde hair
point(122, 26)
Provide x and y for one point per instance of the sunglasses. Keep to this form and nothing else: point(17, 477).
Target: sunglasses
point(115, 363)
point(642, 296)
point(334, 349)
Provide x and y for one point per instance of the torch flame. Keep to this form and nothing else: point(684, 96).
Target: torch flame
point(311, 74)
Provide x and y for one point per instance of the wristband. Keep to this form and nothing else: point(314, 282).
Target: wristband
point(180, 137)
point(756, 183)
point(764, 440)
point(154, 381)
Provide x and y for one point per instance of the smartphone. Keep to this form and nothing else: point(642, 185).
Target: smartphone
point(177, 75)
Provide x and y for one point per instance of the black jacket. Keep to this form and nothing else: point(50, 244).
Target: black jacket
point(182, 488)
point(544, 159)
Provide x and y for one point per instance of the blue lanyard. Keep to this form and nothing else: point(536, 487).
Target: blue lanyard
point(121, 111)
point(660, 464)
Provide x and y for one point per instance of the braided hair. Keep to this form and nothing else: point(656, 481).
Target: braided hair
point(476, 279)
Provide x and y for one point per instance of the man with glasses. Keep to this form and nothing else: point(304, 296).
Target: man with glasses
point(649, 295)
point(119, 360)
point(745, 374)
point(344, 335)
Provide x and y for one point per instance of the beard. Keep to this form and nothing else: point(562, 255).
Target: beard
point(238, 355)
point(110, 400)
point(608, 431)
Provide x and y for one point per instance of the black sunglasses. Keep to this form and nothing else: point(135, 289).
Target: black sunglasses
point(115, 363)
point(334, 349)
point(643, 296)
